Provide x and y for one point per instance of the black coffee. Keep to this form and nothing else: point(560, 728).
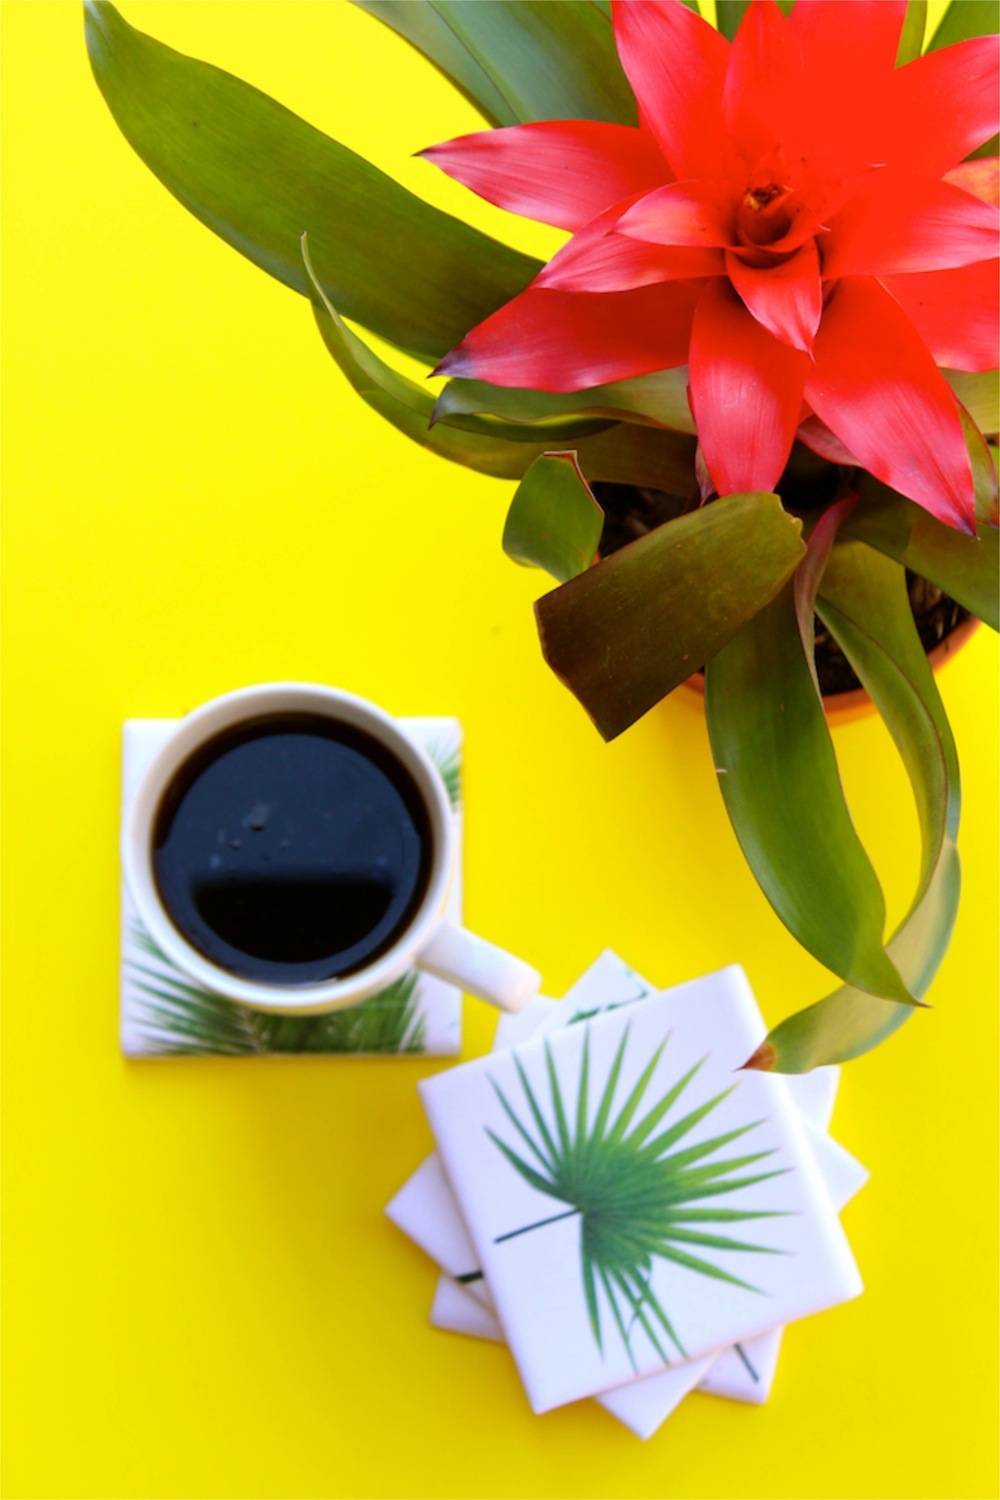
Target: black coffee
point(292, 849)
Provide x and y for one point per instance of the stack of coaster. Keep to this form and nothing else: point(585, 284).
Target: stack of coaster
point(634, 1216)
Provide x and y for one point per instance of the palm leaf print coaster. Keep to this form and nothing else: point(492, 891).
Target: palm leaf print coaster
point(425, 1209)
point(633, 1200)
point(164, 1014)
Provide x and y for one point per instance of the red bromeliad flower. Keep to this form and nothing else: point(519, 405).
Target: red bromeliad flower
point(789, 219)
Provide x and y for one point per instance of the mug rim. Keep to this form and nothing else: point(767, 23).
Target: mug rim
point(197, 728)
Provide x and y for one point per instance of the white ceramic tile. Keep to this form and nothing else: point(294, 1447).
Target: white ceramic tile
point(425, 1013)
point(529, 1246)
point(815, 1094)
point(456, 1311)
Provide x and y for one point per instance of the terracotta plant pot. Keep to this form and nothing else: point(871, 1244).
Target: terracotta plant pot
point(844, 708)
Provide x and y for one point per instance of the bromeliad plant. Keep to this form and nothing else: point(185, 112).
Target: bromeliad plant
point(775, 323)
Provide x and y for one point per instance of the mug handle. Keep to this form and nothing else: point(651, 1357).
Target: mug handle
point(478, 967)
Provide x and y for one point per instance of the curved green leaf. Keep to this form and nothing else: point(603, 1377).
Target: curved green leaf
point(729, 14)
point(409, 406)
point(519, 61)
point(965, 18)
point(554, 522)
point(984, 472)
point(864, 604)
point(965, 567)
point(911, 38)
point(779, 779)
point(659, 400)
point(640, 455)
point(980, 395)
point(624, 633)
point(260, 177)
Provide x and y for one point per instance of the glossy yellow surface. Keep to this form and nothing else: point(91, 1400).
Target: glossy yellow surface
point(202, 1298)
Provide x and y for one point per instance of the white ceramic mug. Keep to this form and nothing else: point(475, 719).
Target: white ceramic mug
point(429, 941)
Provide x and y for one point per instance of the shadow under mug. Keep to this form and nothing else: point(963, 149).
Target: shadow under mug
point(429, 941)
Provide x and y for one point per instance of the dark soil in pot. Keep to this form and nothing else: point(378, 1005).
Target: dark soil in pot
point(630, 512)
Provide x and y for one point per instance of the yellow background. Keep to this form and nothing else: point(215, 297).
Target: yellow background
point(202, 1297)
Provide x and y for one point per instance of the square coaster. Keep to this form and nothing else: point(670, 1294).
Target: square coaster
point(633, 1199)
point(426, 1210)
point(164, 1014)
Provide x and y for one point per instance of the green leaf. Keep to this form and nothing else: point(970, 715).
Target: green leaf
point(911, 38)
point(979, 394)
point(516, 60)
point(409, 406)
point(965, 567)
point(625, 633)
point(963, 19)
point(864, 604)
point(984, 472)
point(659, 399)
point(778, 776)
point(626, 454)
point(729, 14)
point(260, 177)
point(554, 522)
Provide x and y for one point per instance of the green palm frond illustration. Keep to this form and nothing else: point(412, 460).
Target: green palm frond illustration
point(642, 1195)
point(449, 767)
point(183, 1019)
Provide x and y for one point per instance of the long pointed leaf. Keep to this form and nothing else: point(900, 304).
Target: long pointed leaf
point(260, 177)
point(533, 1178)
point(865, 606)
point(608, 1093)
point(590, 1297)
point(966, 567)
point(517, 62)
point(704, 1268)
point(526, 1136)
point(533, 1105)
point(659, 399)
point(680, 1128)
point(562, 1125)
point(622, 635)
point(554, 522)
point(635, 1096)
point(409, 406)
point(778, 774)
point(649, 1122)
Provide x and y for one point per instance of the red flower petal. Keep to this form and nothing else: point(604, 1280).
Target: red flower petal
point(614, 263)
point(981, 178)
point(563, 172)
point(676, 64)
point(820, 440)
point(848, 56)
point(875, 385)
point(956, 313)
point(837, 39)
point(787, 298)
point(941, 106)
point(764, 95)
point(560, 341)
point(682, 213)
point(895, 223)
point(598, 260)
point(746, 393)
